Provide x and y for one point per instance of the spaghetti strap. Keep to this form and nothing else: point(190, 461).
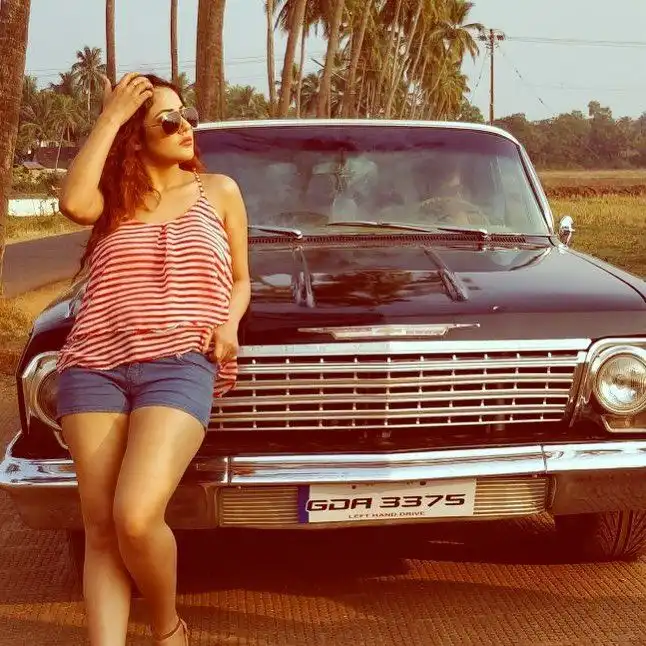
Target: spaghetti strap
point(198, 179)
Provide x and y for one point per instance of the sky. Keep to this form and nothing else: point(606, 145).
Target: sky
point(536, 78)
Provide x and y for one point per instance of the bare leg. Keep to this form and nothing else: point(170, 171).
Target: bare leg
point(97, 442)
point(161, 445)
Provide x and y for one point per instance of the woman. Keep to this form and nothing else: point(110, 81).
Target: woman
point(168, 284)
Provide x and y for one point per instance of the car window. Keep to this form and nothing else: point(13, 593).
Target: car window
point(312, 176)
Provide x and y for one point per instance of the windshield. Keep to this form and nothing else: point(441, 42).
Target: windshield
point(311, 177)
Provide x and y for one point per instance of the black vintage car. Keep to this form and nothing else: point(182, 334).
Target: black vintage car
point(422, 345)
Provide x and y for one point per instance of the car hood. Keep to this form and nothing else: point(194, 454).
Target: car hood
point(525, 292)
point(528, 292)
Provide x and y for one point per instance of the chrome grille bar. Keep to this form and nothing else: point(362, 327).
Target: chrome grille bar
point(266, 506)
point(401, 384)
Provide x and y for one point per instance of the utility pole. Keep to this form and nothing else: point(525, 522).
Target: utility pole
point(492, 37)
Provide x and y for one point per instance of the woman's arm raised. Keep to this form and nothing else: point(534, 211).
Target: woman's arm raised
point(80, 198)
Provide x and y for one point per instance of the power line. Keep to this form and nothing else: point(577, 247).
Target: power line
point(589, 88)
point(579, 42)
point(482, 69)
point(520, 76)
point(244, 60)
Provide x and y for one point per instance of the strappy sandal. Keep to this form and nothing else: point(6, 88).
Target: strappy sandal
point(181, 624)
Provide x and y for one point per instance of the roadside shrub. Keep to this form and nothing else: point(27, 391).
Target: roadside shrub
point(25, 183)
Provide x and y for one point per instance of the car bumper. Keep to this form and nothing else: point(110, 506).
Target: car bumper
point(263, 490)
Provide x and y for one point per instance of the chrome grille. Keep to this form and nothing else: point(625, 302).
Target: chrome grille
point(400, 384)
point(267, 506)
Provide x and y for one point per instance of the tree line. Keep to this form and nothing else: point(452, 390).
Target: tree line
point(592, 140)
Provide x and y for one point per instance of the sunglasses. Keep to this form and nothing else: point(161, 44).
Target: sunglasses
point(171, 122)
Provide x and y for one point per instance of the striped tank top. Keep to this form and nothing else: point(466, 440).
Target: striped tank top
point(155, 290)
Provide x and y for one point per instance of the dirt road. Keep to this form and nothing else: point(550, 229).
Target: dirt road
point(475, 585)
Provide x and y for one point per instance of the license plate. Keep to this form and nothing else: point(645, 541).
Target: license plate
point(332, 503)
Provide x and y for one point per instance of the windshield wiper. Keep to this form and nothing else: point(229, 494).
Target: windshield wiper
point(481, 231)
point(411, 227)
point(378, 225)
point(295, 233)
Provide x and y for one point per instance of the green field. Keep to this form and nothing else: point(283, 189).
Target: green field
point(612, 228)
point(593, 177)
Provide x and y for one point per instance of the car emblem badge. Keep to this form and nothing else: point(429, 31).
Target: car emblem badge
point(389, 331)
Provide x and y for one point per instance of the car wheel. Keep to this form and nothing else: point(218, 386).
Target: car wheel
point(607, 536)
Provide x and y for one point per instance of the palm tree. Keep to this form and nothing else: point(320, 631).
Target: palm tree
point(310, 88)
point(246, 103)
point(316, 12)
point(174, 66)
point(88, 70)
point(459, 34)
point(66, 84)
point(358, 35)
point(65, 119)
point(109, 41)
point(186, 88)
point(296, 26)
point(399, 66)
point(209, 67)
point(271, 63)
point(14, 29)
point(334, 38)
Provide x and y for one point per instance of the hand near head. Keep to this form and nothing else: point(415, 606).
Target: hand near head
point(132, 91)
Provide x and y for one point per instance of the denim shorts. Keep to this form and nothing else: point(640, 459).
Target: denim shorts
point(183, 382)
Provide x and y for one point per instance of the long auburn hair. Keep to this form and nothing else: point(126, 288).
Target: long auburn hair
point(125, 182)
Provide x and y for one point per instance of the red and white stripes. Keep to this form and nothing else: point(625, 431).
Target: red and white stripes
point(155, 290)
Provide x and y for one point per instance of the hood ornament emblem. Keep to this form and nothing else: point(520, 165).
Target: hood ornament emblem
point(389, 331)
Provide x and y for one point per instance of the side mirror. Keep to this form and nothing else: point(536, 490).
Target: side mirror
point(566, 229)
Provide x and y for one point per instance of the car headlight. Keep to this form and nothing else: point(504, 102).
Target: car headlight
point(620, 380)
point(45, 398)
point(40, 388)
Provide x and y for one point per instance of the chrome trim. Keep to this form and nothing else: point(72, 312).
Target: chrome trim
point(388, 467)
point(595, 456)
point(283, 469)
point(412, 347)
point(636, 424)
point(381, 331)
point(393, 384)
point(40, 367)
point(584, 478)
point(566, 230)
point(595, 352)
point(277, 507)
point(296, 233)
point(600, 360)
point(537, 186)
point(450, 125)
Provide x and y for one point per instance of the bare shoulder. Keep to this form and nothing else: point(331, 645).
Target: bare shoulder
point(224, 193)
point(220, 185)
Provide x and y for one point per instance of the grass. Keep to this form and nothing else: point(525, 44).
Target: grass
point(611, 228)
point(17, 316)
point(31, 228)
point(592, 177)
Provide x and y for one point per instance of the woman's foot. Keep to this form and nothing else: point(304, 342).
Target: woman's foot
point(176, 637)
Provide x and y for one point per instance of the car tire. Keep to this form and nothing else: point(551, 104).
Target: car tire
point(606, 536)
